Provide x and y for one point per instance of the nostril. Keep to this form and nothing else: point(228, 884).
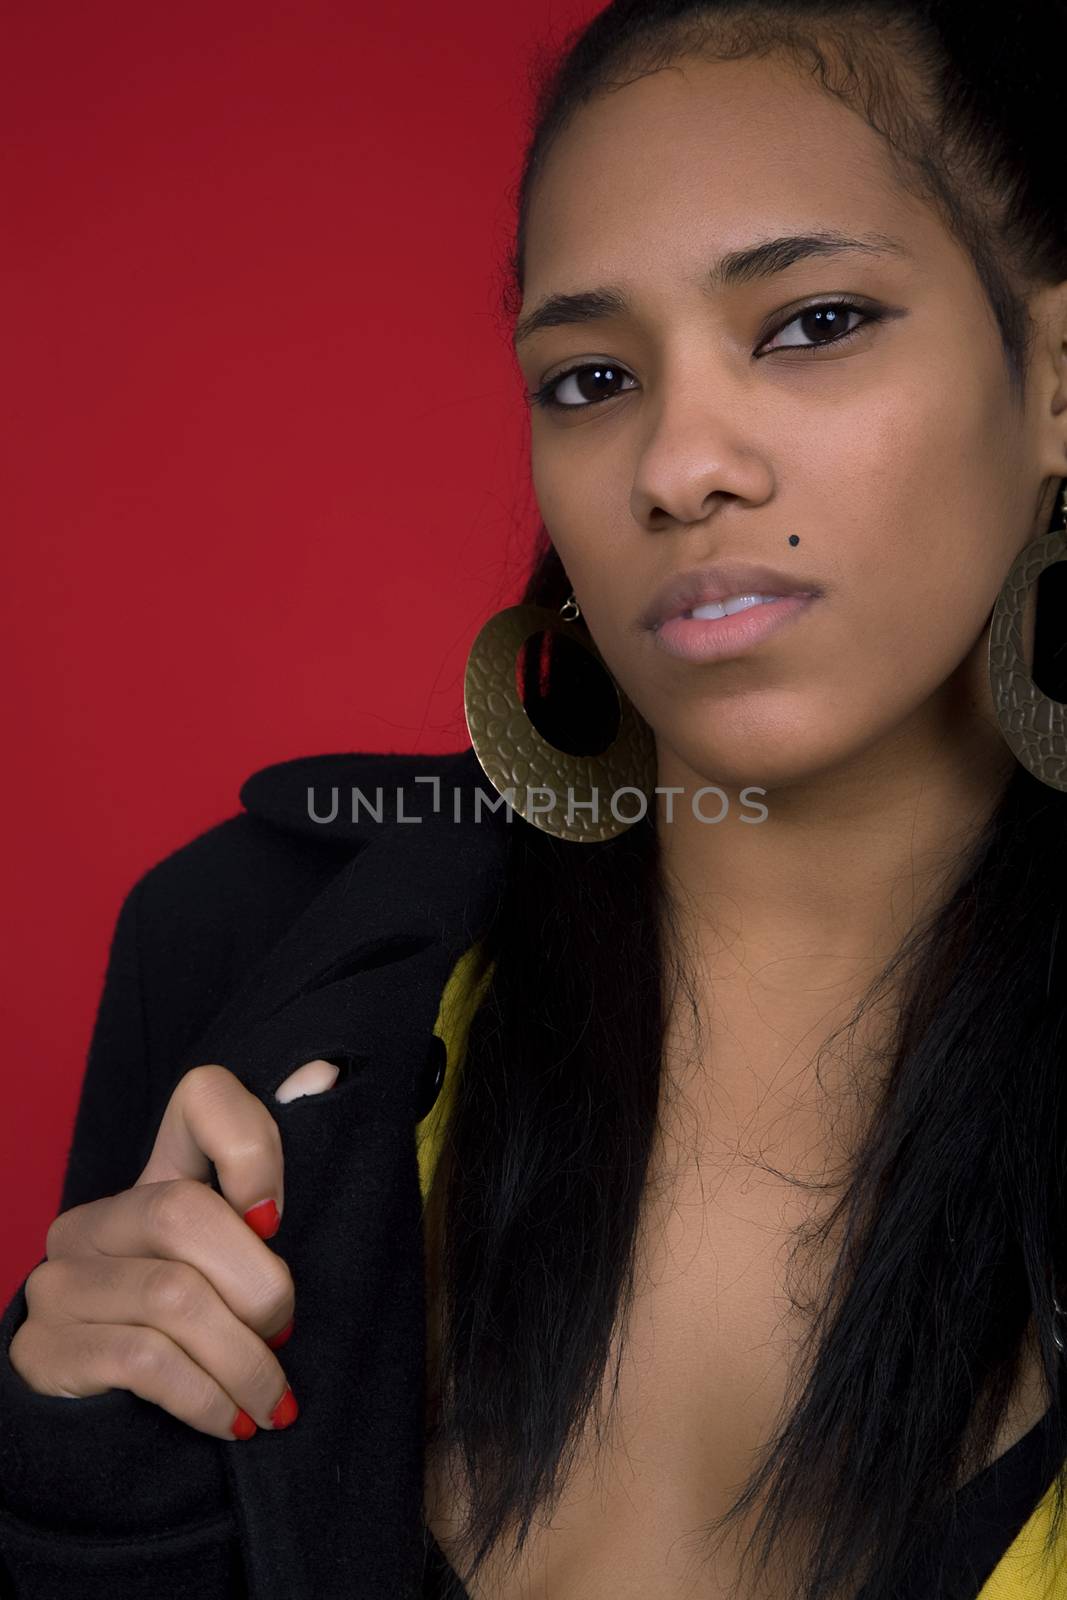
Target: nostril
point(314, 1077)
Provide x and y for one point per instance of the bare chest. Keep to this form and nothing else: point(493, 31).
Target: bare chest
point(709, 1359)
point(706, 1360)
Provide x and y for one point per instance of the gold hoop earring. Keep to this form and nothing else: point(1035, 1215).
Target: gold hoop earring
point(1034, 726)
point(584, 791)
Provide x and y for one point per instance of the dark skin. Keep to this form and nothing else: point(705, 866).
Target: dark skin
point(898, 470)
point(898, 459)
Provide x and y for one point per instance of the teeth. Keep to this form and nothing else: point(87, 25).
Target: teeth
point(726, 608)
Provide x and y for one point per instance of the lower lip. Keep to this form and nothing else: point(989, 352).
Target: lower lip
point(713, 638)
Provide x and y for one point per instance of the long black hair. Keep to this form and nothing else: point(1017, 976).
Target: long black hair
point(952, 1215)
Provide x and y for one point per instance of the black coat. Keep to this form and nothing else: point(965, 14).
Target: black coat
point(268, 940)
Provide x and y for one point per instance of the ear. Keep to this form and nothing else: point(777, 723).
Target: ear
point(312, 1078)
point(1049, 378)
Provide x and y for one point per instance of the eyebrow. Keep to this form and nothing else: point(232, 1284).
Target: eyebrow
point(760, 260)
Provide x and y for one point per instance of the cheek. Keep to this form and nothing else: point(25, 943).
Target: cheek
point(924, 522)
point(905, 637)
point(555, 486)
point(579, 516)
point(567, 501)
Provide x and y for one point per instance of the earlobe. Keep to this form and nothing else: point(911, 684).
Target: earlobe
point(312, 1078)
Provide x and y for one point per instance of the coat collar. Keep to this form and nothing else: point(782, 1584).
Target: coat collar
point(333, 1505)
point(358, 795)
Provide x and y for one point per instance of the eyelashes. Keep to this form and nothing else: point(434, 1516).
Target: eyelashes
point(545, 396)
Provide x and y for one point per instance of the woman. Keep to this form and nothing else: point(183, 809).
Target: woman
point(745, 1224)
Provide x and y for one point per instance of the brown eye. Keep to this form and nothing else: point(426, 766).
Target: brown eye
point(825, 324)
point(583, 386)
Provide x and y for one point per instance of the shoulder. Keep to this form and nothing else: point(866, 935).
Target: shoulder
point(207, 912)
point(342, 797)
point(284, 836)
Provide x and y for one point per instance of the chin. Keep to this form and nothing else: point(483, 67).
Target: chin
point(765, 762)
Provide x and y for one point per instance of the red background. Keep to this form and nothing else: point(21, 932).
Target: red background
point(264, 449)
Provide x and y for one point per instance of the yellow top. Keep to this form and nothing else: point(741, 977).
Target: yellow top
point(460, 999)
point(1022, 1573)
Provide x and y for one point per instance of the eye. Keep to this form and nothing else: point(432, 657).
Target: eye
point(826, 323)
point(602, 376)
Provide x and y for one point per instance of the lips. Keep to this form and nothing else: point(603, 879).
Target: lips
point(720, 581)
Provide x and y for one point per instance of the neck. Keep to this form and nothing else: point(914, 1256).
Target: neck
point(846, 858)
point(786, 922)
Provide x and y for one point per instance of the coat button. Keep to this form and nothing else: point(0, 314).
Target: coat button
point(430, 1077)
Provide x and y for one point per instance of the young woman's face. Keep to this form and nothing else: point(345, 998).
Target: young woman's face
point(712, 421)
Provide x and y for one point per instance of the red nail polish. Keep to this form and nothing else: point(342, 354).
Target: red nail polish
point(242, 1426)
point(279, 1339)
point(286, 1411)
point(263, 1219)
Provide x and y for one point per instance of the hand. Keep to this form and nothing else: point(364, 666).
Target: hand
point(165, 1289)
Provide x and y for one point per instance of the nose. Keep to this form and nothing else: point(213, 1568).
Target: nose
point(691, 469)
point(312, 1078)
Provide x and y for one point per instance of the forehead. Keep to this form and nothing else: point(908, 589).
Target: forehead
point(697, 159)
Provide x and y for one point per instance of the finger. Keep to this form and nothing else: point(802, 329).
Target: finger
point(312, 1078)
point(211, 1118)
point(86, 1294)
point(92, 1358)
point(182, 1221)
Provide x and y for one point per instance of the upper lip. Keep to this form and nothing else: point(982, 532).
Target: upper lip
point(718, 581)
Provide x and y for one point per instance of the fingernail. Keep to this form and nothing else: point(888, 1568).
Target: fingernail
point(286, 1411)
point(279, 1339)
point(263, 1219)
point(242, 1426)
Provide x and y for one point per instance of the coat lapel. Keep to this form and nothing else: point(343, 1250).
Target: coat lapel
point(332, 1506)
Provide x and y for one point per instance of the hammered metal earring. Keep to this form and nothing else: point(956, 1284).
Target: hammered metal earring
point(591, 797)
point(1034, 726)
